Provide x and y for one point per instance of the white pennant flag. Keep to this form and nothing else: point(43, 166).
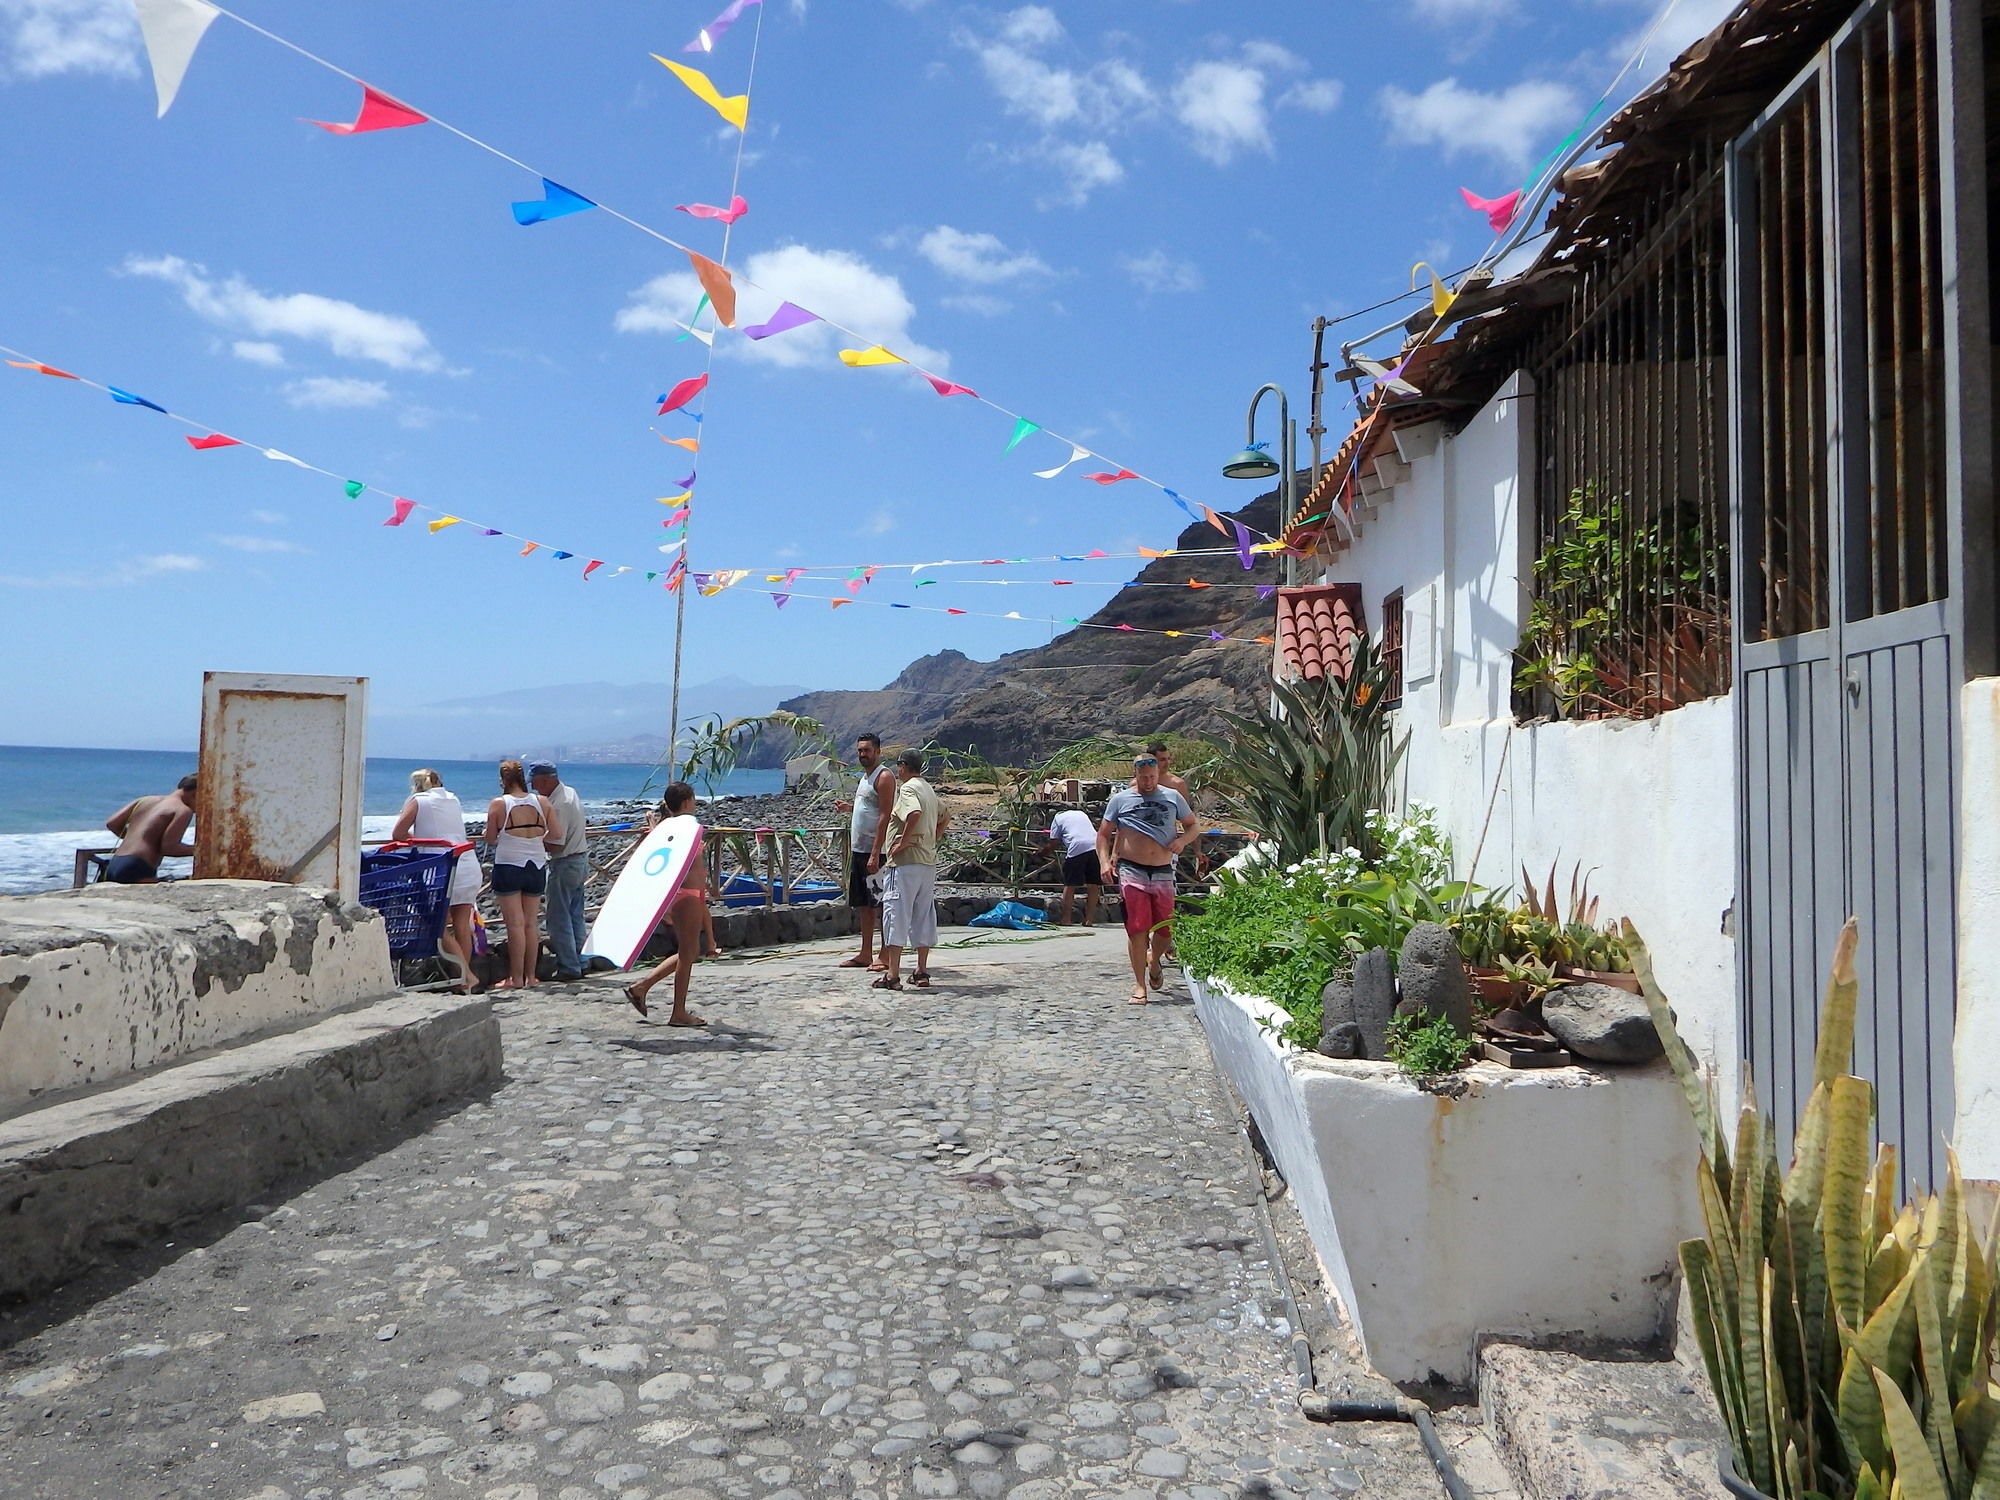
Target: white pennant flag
point(1074, 454)
point(172, 29)
point(285, 458)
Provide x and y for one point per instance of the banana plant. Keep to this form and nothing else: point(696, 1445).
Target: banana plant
point(1848, 1334)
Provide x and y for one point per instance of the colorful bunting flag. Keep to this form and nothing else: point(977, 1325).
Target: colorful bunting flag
point(592, 566)
point(1111, 478)
point(1193, 514)
point(720, 289)
point(854, 359)
point(712, 32)
point(1076, 454)
point(951, 611)
point(678, 517)
point(22, 364)
point(490, 531)
point(1243, 544)
point(556, 202)
point(1150, 552)
point(354, 487)
point(693, 445)
point(444, 521)
point(738, 207)
point(126, 398)
point(1499, 211)
point(378, 112)
point(214, 440)
point(562, 556)
point(781, 600)
point(1214, 520)
point(1441, 300)
point(683, 393)
point(836, 603)
point(529, 548)
point(736, 109)
point(946, 388)
point(402, 512)
point(1266, 590)
point(1194, 585)
point(172, 29)
point(286, 458)
point(687, 483)
point(788, 316)
point(672, 499)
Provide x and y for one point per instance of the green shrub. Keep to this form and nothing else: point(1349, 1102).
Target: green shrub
point(1425, 1046)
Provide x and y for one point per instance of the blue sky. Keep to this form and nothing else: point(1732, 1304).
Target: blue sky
point(1118, 218)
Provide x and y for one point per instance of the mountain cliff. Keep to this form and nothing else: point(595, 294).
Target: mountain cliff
point(1028, 704)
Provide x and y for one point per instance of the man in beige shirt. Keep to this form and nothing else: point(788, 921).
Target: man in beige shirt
point(909, 873)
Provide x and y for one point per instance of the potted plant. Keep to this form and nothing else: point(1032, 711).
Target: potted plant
point(1848, 1334)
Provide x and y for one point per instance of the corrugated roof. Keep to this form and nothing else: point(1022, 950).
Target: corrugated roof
point(1316, 627)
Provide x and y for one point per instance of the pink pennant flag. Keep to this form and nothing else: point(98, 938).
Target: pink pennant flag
point(214, 440)
point(954, 611)
point(1499, 211)
point(677, 517)
point(683, 393)
point(946, 388)
point(736, 210)
point(793, 575)
point(1095, 552)
point(1111, 478)
point(592, 566)
point(403, 509)
point(378, 112)
point(1124, 627)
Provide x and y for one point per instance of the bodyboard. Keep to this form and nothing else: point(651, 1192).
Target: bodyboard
point(643, 890)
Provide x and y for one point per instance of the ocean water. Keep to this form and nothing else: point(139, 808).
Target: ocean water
point(54, 801)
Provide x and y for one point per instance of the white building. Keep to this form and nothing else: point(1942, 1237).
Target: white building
point(1743, 421)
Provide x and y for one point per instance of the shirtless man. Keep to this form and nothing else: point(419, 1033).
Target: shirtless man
point(150, 829)
point(1158, 750)
point(1145, 828)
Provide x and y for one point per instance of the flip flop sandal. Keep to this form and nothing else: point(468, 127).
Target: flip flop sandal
point(637, 1002)
point(886, 983)
point(854, 963)
point(921, 979)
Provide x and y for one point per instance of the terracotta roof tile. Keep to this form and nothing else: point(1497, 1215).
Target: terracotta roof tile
point(1316, 625)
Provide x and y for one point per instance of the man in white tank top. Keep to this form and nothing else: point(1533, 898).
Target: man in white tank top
point(873, 795)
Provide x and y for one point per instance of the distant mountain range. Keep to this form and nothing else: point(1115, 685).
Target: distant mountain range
point(602, 723)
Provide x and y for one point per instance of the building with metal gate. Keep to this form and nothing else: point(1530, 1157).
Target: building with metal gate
point(1686, 536)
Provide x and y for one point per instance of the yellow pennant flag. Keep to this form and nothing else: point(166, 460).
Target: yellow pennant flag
point(437, 526)
point(735, 110)
point(684, 496)
point(693, 445)
point(855, 358)
point(1149, 552)
point(1441, 300)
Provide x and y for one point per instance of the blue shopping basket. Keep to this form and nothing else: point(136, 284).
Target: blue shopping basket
point(410, 885)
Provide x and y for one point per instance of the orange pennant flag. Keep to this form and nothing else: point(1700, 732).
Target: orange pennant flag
point(721, 290)
point(838, 602)
point(529, 548)
point(693, 445)
point(1149, 552)
point(1193, 585)
point(1263, 640)
point(1214, 520)
point(22, 364)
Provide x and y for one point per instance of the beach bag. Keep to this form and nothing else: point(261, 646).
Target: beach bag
point(1011, 914)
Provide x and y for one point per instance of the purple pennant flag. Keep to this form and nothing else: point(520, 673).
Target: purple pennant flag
point(687, 483)
point(1266, 590)
point(1243, 544)
point(701, 580)
point(713, 31)
point(1215, 635)
point(781, 600)
point(489, 531)
point(788, 316)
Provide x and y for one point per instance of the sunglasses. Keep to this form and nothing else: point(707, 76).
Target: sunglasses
point(1145, 763)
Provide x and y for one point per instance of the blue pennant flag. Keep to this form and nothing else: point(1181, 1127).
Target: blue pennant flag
point(128, 399)
point(556, 202)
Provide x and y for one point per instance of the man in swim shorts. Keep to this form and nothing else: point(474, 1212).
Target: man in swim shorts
point(149, 830)
point(1145, 828)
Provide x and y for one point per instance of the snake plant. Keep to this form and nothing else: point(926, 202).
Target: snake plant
point(1848, 1333)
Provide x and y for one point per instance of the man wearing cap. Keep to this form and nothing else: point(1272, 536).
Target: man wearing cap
point(569, 868)
point(1145, 828)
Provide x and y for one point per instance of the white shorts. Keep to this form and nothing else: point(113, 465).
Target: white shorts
point(466, 879)
point(909, 906)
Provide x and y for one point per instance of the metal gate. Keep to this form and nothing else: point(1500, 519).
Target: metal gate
point(1849, 618)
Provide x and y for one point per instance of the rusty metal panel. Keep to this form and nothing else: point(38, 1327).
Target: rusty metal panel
point(281, 779)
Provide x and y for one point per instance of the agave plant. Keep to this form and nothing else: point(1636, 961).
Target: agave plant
point(1307, 773)
point(1848, 1334)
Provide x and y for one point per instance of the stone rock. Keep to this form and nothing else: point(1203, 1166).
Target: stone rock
point(1343, 1040)
point(1338, 1034)
point(1374, 1001)
point(1602, 1023)
point(1432, 975)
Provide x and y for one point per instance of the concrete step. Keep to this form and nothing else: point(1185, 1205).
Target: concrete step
point(1604, 1427)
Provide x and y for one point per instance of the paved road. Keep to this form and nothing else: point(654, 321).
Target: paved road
point(998, 1239)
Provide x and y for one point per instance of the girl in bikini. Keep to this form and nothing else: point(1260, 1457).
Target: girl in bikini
point(688, 911)
point(517, 823)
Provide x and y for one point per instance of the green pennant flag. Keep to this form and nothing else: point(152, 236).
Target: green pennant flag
point(1022, 427)
point(651, 576)
point(693, 318)
point(354, 487)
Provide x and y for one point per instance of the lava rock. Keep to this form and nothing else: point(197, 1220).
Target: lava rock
point(1343, 1040)
point(1338, 1035)
point(1374, 1001)
point(1602, 1023)
point(1433, 979)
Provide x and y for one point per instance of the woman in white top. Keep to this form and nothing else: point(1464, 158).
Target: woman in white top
point(517, 823)
point(434, 813)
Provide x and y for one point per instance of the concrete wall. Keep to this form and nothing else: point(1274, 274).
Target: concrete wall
point(1530, 1204)
point(1647, 807)
point(1976, 1053)
point(102, 982)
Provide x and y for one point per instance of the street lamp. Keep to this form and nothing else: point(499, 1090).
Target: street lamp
point(1254, 463)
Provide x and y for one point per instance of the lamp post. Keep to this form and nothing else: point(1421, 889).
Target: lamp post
point(1254, 463)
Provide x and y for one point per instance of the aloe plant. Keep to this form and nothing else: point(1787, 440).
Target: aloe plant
point(1849, 1335)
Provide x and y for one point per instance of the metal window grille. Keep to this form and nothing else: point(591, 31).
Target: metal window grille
point(1392, 650)
point(1629, 610)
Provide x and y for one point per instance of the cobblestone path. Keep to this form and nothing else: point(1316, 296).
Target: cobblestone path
point(997, 1239)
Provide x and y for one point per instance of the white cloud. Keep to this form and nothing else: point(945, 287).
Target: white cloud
point(880, 523)
point(1318, 95)
point(118, 575)
point(1086, 166)
point(1157, 271)
point(258, 353)
point(268, 517)
point(1222, 105)
point(39, 38)
point(349, 331)
point(1095, 97)
point(832, 283)
point(985, 305)
point(259, 544)
point(335, 392)
point(1507, 126)
point(978, 257)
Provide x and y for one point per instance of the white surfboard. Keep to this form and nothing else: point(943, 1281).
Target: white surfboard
point(643, 889)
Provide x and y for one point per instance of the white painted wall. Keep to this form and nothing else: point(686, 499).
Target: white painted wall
point(1647, 807)
point(103, 982)
point(1976, 1050)
point(1533, 1204)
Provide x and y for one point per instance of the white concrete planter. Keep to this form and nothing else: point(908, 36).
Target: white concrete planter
point(1536, 1203)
